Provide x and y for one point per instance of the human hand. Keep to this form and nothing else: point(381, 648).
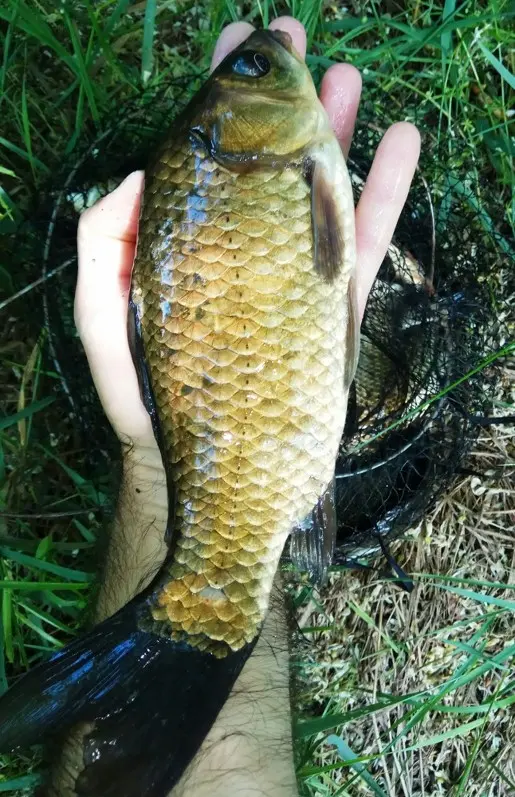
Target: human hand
point(108, 231)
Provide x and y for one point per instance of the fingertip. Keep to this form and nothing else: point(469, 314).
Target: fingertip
point(296, 30)
point(127, 194)
point(133, 181)
point(403, 137)
point(116, 214)
point(395, 161)
point(232, 35)
point(383, 198)
point(340, 93)
point(342, 73)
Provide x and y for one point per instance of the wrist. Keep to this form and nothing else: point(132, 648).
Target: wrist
point(145, 456)
point(137, 547)
point(249, 749)
point(144, 480)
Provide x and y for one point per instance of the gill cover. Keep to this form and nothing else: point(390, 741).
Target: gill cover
point(259, 106)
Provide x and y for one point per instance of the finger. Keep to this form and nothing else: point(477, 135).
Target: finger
point(231, 36)
point(106, 245)
point(236, 33)
point(340, 93)
point(107, 237)
point(382, 201)
point(295, 29)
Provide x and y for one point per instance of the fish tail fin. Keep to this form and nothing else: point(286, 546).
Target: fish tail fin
point(149, 702)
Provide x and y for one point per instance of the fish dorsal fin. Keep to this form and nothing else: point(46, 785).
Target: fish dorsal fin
point(312, 542)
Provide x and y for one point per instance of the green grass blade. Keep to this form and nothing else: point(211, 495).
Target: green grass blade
point(372, 624)
point(85, 487)
point(474, 655)
point(452, 733)
point(5, 59)
point(7, 628)
point(26, 782)
point(491, 358)
point(26, 126)
point(473, 582)
point(33, 23)
point(39, 586)
point(3, 675)
point(498, 65)
point(27, 412)
point(82, 67)
point(311, 727)
point(449, 10)
point(471, 199)
point(481, 708)
point(48, 567)
point(501, 775)
point(147, 52)
point(456, 682)
point(117, 14)
point(44, 616)
point(40, 632)
point(489, 600)
point(23, 154)
point(346, 754)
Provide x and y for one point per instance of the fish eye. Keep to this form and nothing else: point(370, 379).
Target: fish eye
point(250, 64)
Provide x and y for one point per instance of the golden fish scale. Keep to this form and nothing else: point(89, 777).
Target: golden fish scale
point(245, 346)
point(377, 381)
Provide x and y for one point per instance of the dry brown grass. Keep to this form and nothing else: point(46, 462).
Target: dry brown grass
point(419, 642)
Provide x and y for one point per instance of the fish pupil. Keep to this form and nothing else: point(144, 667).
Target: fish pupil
point(251, 64)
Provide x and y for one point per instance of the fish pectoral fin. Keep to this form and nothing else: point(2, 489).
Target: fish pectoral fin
point(334, 247)
point(137, 350)
point(312, 542)
point(328, 233)
point(138, 358)
point(352, 335)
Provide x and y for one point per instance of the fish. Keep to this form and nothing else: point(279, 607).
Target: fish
point(244, 330)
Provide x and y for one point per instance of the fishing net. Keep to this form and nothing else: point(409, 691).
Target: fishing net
point(428, 331)
point(422, 385)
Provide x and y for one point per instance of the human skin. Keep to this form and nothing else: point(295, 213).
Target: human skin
point(249, 748)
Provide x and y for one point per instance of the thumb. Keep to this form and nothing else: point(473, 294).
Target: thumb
point(106, 246)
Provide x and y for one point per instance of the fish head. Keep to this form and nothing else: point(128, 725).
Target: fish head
point(260, 104)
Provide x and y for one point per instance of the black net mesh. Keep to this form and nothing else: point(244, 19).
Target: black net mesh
point(429, 324)
point(422, 382)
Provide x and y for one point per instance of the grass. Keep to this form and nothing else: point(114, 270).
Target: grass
point(435, 714)
point(397, 696)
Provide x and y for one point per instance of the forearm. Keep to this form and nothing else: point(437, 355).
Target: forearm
point(135, 551)
point(249, 748)
point(136, 547)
